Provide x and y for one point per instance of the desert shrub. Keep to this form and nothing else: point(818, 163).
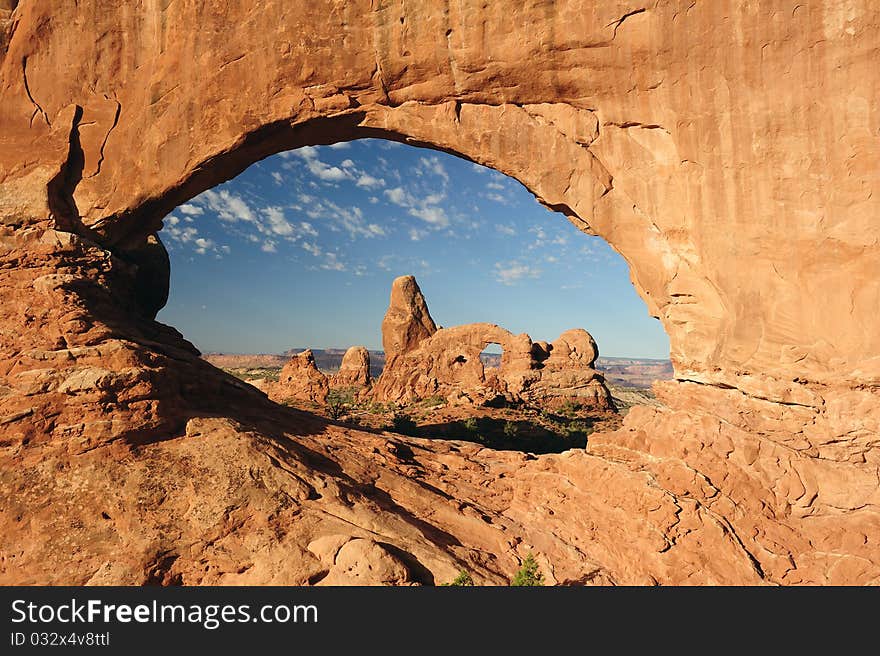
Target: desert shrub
point(463, 579)
point(510, 429)
point(403, 424)
point(472, 428)
point(378, 408)
point(339, 399)
point(570, 407)
point(528, 574)
point(577, 429)
point(434, 401)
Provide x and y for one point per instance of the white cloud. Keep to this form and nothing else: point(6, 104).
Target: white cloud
point(341, 145)
point(436, 216)
point(367, 181)
point(435, 166)
point(326, 172)
point(425, 209)
point(494, 185)
point(229, 207)
point(187, 236)
point(312, 248)
point(397, 196)
point(277, 223)
point(269, 246)
point(319, 169)
point(347, 164)
point(332, 263)
point(306, 152)
point(192, 210)
point(373, 200)
point(203, 245)
point(181, 235)
point(508, 273)
point(498, 198)
point(278, 178)
point(505, 229)
point(307, 229)
point(416, 235)
point(349, 219)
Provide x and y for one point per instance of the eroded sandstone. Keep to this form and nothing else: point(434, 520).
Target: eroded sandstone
point(354, 372)
point(300, 380)
point(727, 150)
point(428, 361)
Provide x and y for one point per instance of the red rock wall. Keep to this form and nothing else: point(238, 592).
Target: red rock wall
point(729, 151)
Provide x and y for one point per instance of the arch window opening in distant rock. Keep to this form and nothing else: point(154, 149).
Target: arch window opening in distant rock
point(300, 250)
point(491, 355)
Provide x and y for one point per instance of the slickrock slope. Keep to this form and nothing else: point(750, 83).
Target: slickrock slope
point(729, 151)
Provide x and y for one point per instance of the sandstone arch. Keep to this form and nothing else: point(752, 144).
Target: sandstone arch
point(736, 174)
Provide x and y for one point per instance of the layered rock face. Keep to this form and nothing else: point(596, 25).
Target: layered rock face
point(300, 380)
point(567, 372)
point(407, 321)
point(727, 150)
point(354, 372)
point(428, 361)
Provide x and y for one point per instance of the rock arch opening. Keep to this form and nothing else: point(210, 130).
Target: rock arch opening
point(732, 207)
point(299, 250)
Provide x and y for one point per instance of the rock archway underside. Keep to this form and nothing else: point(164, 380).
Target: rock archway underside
point(729, 151)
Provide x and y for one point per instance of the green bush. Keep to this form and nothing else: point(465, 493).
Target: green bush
point(570, 408)
point(510, 429)
point(528, 574)
point(577, 429)
point(339, 399)
point(403, 424)
point(463, 579)
point(470, 425)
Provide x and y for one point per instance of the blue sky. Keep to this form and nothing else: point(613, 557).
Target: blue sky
point(301, 248)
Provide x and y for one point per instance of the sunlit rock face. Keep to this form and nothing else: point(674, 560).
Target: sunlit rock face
point(427, 361)
point(727, 150)
point(354, 372)
point(300, 381)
